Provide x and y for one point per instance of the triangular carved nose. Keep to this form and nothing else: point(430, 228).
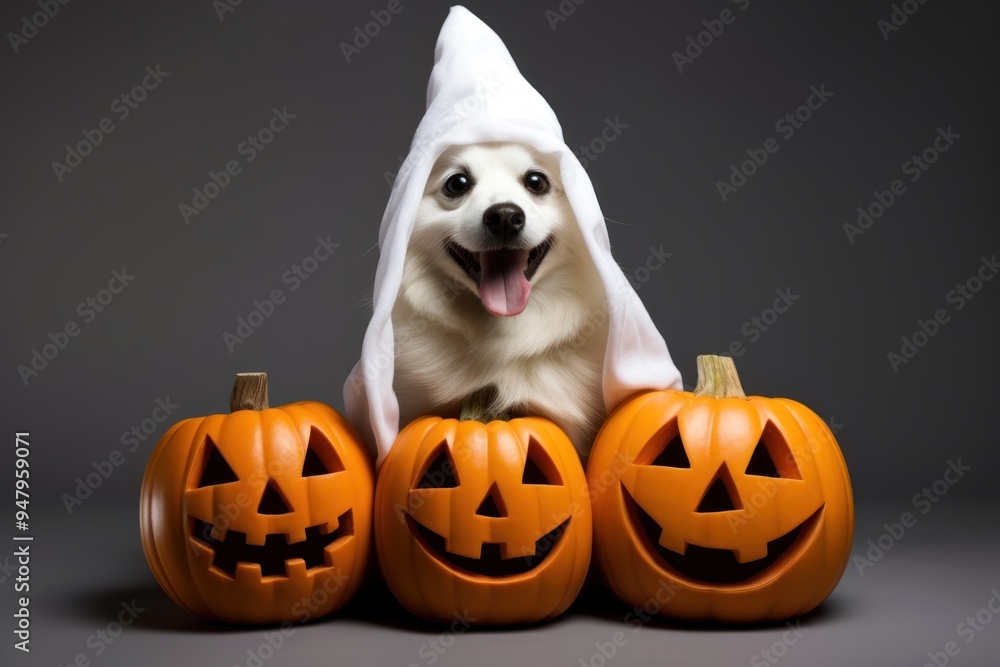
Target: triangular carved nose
point(492, 505)
point(272, 502)
point(721, 495)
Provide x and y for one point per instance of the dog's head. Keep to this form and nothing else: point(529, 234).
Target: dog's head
point(494, 218)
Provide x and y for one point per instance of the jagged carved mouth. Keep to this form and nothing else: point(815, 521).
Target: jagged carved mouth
point(720, 566)
point(493, 560)
point(276, 550)
point(472, 261)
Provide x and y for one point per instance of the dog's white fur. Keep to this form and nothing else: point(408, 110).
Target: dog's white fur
point(548, 360)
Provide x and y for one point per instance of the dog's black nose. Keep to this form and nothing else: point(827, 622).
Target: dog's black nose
point(504, 220)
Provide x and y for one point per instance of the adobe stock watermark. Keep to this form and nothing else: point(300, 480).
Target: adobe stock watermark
point(696, 45)
point(7, 569)
point(102, 639)
point(460, 110)
point(609, 479)
point(759, 324)
point(294, 277)
point(121, 108)
point(655, 260)
point(435, 647)
point(779, 648)
point(432, 480)
point(248, 149)
point(274, 640)
point(87, 310)
point(303, 610)
point(636, 618)
point(915, 167)
point(131, 439)
point(223, 7)
point(898, 17)
point(923, 501)
point(590, 151)
point(786, 126)
point(306, 606)
point(31, 24)
point(766, 488)
point(968, 629)
point(364, 34)
point(597, 319)
point(562, 12)
point(227, 513)
point(956, 298)
point(385, 359)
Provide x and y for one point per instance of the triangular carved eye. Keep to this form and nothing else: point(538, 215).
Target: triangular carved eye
point(217, 470)
point(538, 467)
point(673, 455)
point(441, 472)
point(321, 457)
point(772, 457)
point(665, 449)
point(761, 464)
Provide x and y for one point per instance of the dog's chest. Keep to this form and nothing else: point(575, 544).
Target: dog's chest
point(437, 368)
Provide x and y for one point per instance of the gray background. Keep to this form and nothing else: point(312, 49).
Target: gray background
point(325, 175)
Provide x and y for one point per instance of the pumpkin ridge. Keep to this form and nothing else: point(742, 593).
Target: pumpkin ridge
point(147, 519)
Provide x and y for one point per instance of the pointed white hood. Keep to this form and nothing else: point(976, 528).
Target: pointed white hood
point(476, 94)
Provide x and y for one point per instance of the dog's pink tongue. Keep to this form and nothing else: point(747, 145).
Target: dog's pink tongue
point(502, 286)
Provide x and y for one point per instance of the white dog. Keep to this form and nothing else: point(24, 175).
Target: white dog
point(499, 289)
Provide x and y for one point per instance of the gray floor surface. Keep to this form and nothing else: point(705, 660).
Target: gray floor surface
point(911, 602)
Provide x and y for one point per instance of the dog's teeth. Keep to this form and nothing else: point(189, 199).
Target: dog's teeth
point(466, 259)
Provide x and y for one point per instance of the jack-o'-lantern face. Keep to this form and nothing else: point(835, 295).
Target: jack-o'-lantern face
point(742, 505)
point(489, 542)
point(464, 508)
point(246, 514)
point(707, 523)
point(255, 516)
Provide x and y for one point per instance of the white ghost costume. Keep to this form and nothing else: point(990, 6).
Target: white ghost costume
point(476, 94)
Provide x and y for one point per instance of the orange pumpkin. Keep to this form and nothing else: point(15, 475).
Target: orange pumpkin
point(488, 520)
point(714, 506)
point(259, 516)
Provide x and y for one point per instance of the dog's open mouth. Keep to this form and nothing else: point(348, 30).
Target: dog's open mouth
point(503, 276)
point(271, 555)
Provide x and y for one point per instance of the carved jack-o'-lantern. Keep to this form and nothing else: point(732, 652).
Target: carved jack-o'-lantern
point(715, 506)
point(490, 520)
point(259, 516)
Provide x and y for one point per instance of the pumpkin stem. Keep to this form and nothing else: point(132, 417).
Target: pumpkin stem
point(249, 392)
point(481, 406)
point(717, 377)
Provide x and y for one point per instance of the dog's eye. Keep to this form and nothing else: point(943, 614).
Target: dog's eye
point(457, 185)
point(536, 182)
